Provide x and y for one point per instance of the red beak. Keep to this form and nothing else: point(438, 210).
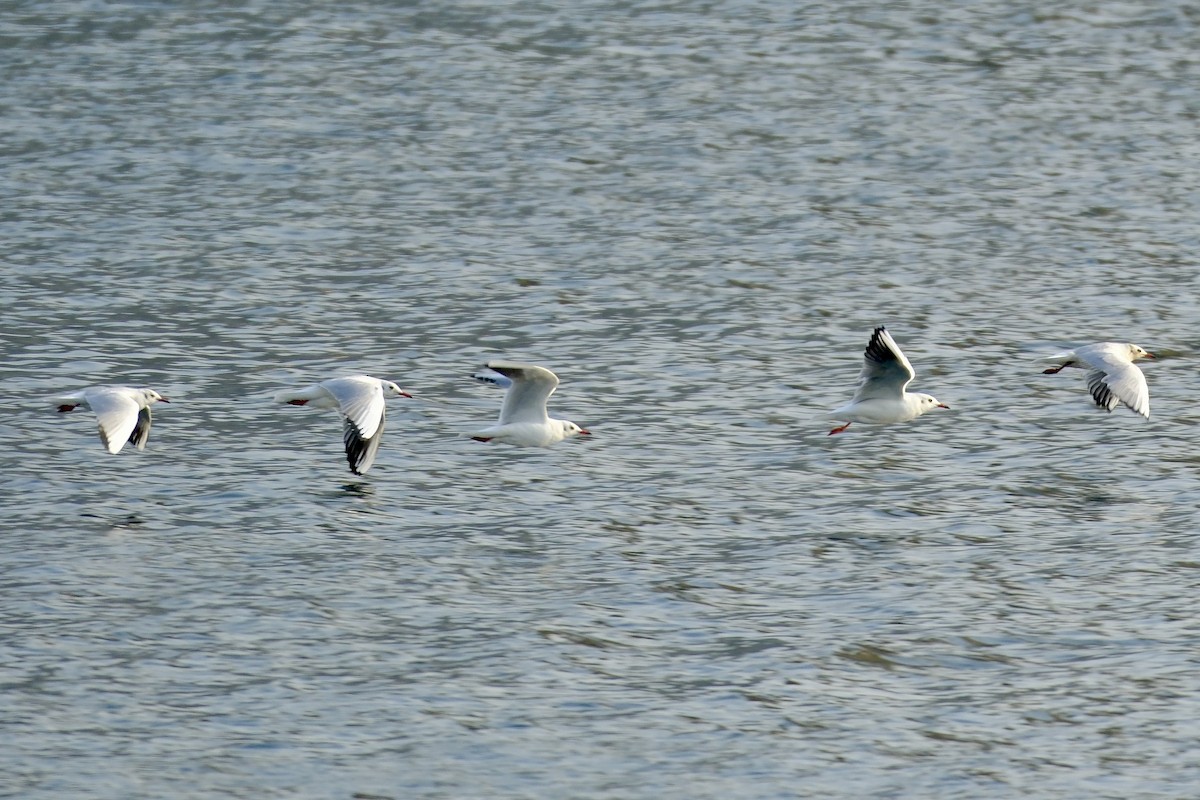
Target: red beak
point(1151, 355)
point(405, 394)
point(163, 400)
point(584, 432)
point(943, 405)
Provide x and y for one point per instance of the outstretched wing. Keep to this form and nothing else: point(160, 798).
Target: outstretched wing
point(1118, 378)
point(117, 417)
point(886, 372)
point(360, 450)
point(495, 379)
point(360, 400)
point(526, 399)
point(362, 405)
point(141, 431)
point(1122, 382)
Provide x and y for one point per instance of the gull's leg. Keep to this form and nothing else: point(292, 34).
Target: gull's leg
point(838, 429)
point(1058, 369)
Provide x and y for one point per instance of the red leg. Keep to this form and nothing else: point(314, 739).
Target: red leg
point(838, 429)
point(1053, 370)
point(482, 438)
point(296, 402)
point(65, 408)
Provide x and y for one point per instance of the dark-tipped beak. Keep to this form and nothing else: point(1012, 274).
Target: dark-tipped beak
point(405, 394)
point(943, 405)
point(163, 400)
point(584, 432)
point(1150, 355)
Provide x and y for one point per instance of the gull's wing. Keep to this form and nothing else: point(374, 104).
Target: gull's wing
point(141, 431)
point(886, 372)
point(360, 451)
point(525, 400)
point(118, 417)
point(361, 402)
point(1114, 377)
point(495, 380)
point(360, 399)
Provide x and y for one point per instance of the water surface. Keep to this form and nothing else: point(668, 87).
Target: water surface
point(695, 216)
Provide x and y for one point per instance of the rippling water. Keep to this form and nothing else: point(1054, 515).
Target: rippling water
point(694, 214)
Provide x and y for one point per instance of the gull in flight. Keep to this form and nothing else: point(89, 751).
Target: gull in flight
point(122, 412)
point(1112, 376)
point(881, 397)
point(523, 418)
point(360, 400)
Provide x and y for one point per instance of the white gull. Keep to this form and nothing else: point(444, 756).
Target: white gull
point(122, 412)
point(360, 400)
point(881, 397)
point(1112, 376)
point(523, 418)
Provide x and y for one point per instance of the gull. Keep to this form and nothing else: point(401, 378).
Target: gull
point(1112, 376)
point(360, 400)
point(880, 397)
point(523, 419)
point(122, 412)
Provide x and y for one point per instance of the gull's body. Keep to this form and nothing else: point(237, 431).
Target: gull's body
point(122, 412)
point(360, 401)
point(881, 397)
point(1112, 376)
point(523, 418)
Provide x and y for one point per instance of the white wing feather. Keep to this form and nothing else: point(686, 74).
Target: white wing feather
point(360, 400)
point(116, 416)
point(886, 371)
point(525, 400)
point(1120, 377)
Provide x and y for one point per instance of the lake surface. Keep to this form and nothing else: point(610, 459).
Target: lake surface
point(694, 214)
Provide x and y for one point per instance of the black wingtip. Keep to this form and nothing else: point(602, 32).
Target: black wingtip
point(876, 349)
point(360, 451)
point(356, 449)
point(355, 445)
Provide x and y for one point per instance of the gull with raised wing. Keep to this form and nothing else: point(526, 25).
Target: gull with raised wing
point(523, 418)
point(360, 401)
point(881, 397)
point(1112, 376)
point(122, 412)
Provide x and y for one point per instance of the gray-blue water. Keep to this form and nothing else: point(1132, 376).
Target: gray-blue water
point(694, 213)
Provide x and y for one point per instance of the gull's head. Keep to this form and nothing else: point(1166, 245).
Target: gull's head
point(151, 396)
point(571, 429)
point(1136, 352)
point(928, 402)
point(392, 390)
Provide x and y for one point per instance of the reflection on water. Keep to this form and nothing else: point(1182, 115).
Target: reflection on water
point(117, 521)
point(362, 490)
